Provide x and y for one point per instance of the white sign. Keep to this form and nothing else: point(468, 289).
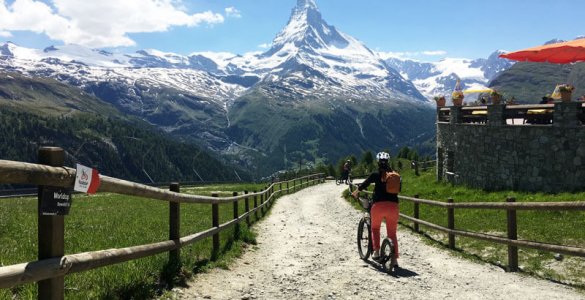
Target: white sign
point(87, 180)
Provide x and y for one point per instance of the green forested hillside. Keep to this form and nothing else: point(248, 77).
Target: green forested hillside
point(323, 132)
point(115, 147)
point(529, 82)
point(37, 112)
point(47, 96)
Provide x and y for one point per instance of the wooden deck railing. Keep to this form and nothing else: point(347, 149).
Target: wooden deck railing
point(53, 265)
point(569, 114)
point(510, 206)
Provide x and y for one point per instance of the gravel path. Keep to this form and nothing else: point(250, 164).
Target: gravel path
point(307, 250)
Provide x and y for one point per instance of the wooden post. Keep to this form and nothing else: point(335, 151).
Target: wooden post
point(416, 214)
point(513, 235)
point(280, 189)
point(451, 224)
point(236, 215)
point(262, 201)
point(51, 231)
point(256, 205)
point(215, 223)
point(287, 191)
point(175, 225)
point(247, 208)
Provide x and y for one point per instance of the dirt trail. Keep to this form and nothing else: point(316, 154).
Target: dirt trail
point(307, 250)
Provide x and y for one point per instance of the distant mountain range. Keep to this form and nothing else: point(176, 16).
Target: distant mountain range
point(439, 78)
point(528, 82)
point(315, 96)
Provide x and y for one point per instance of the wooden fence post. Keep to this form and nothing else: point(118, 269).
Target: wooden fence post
point(255, 205)
point(51, 231)
point(236, 215)
point(513, 235)
point(451, 224)
point(215, 223)
point(269, 197)
point(175, 225)
point(280, 189)
point(416, 214)
point(262, 199)
point(247, 208)
point(287, 191)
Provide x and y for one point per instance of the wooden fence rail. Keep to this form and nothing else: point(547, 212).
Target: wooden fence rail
point(52, 268)
point(510, 207)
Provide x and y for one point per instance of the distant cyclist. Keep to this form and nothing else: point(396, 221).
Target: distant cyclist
point(385, 203)
point(346, 170)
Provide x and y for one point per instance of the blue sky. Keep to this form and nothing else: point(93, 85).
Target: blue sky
point(412, 29)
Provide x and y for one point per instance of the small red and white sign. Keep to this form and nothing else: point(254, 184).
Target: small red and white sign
point(87, 180)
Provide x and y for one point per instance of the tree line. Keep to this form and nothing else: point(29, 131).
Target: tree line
point(131, 150)
point(367, 164)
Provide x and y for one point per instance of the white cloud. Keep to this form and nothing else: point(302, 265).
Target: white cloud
point(5, 34)
point(434, 53)
point(265, 45)
point(410, 55)
point(232, 12)
point(103, 23)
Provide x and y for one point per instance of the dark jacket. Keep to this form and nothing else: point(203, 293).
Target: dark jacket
point(380, 193)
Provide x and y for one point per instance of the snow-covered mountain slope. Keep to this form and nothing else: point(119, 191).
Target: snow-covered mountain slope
point(439, 78)
point(314, 59)
point(310, 56)
point(81, 66)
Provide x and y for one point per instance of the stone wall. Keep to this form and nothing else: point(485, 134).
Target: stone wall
point(494, 155)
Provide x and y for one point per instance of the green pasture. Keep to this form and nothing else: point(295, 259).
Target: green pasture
point(554, 227)
point(105, 221)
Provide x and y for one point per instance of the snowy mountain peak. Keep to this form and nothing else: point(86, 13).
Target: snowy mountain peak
point(306, 4)
point(307, 29)
point(554, 41)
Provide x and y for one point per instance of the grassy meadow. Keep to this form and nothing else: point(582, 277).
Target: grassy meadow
point(554, 227)
point(105, 221)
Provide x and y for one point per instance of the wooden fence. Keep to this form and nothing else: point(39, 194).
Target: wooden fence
point(53, 265)
point(510, 206)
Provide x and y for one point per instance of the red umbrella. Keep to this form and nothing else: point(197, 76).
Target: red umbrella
point(560, 53)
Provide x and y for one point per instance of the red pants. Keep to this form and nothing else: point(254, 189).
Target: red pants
point(389, 211)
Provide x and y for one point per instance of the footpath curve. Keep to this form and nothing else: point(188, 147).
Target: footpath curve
point(307, 250)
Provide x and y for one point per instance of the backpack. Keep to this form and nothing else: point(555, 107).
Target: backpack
point(393, 182)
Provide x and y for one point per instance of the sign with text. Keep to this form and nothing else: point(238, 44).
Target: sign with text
point(87, 180)
point(55, 201)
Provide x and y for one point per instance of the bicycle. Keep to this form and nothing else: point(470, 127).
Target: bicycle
point(341, 180)
point(364, 238)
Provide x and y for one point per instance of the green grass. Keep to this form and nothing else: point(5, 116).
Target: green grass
point(105, 221)
point(554, 227)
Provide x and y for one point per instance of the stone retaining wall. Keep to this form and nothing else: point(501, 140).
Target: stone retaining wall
point(494, 156)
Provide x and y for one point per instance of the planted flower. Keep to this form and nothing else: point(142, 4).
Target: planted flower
point(440, 100)
point(567, 88)
point(566, 91)
point(457, 98)
point(496, 96)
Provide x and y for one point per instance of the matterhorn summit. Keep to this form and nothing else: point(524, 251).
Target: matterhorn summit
point(307, 29)
point(313, 59)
